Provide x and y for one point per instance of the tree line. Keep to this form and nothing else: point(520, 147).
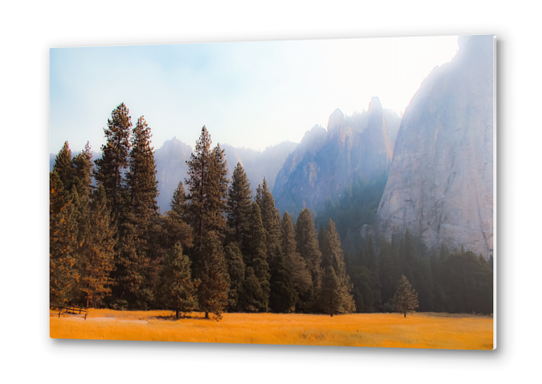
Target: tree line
point(220, 249)
point(217, 249)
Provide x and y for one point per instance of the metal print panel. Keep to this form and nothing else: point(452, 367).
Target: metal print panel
point(319, 192)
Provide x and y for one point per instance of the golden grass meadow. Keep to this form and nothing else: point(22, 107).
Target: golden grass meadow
point(391, 330)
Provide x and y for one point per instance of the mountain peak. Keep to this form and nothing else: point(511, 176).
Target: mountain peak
point(375, 104)
point(336, 119)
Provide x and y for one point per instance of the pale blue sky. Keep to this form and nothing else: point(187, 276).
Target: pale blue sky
point(248, 94)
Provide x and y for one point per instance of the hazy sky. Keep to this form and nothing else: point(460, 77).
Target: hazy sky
point(247, 94)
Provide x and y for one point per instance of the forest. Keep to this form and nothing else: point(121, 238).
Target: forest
point(220, 249)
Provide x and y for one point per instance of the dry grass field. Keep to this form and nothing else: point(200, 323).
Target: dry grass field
point(418, 330)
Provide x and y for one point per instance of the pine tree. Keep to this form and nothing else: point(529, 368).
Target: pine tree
point(113, 165)
point(214, 281)
point(207, 186)
point(283, 296)
point(62, 243)
point(299, 272)
point(332, 256)
point(236, 271)
point(255, 258)
point(177, 291)
point(217, 193)
point(238, 206)
point(332, 298)
point(98, 252)
point(82, 180)
point(64, 166)
point(406, 298)
point(141, 178)
point(308, 248)
point(178, 202)
point(270, 219)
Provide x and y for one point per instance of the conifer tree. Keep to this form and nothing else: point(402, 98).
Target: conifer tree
point(62, 243)
point(113, 165)
point(238, 206)
point(331, 292)
point(270, 220)
point(207, 185)
point(217, 192)
point(255, 257)
point(177, 291)
point(236, 271)
point(283, 296)
point(252, 292)
point(82, 180)
point(406, 298)
point(178, 202)
point(332, 256)
point(214, 281)
point(308, 248)
point(98, 252)
point(141, 178)
point(64, 166)
point(299, 272)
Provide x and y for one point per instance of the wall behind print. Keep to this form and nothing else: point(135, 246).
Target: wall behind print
point(28, 30)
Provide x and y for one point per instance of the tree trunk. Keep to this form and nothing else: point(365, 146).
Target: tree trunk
point(206, 315)
point(405, 314)
point(177, 314)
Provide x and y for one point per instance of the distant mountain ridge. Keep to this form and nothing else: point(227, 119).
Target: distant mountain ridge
point(357, 147)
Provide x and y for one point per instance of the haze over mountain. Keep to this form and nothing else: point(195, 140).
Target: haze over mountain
point(172, 156)
point(357, 147)
point(440, 184)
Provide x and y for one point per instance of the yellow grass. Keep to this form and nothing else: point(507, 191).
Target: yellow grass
point(418, 330)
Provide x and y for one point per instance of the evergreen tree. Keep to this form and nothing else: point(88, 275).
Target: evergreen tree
point(252, 292)
point(406, 298)
point(62, 243)
point(307, 247)
point(64, 166)
point(98, 252)
point(238, 206)
point(207, 185)
point(113, 165)
point(255, 257)
point(178, 202)
point(332, 298)
point(299, 272)
point(177, 291)
point(82, 180)
point(332, 256)
point(236, 271)
point(270, 221)
point(282, 298)
point(141, 178)
point(130, 263)
point(214, 281)
point(217, 193)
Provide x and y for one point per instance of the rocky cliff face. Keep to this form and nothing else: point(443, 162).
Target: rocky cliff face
point(353, 148)
point(440, 183)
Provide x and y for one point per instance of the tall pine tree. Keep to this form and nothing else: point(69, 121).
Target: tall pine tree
point(112, 167)
point(214, 281)
point(177, 291)
point(299, 272)
point(98, 252)
point(256, 259)
point(238, 206)
point(332, 256)
point(308, 248)
point(62, 243)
